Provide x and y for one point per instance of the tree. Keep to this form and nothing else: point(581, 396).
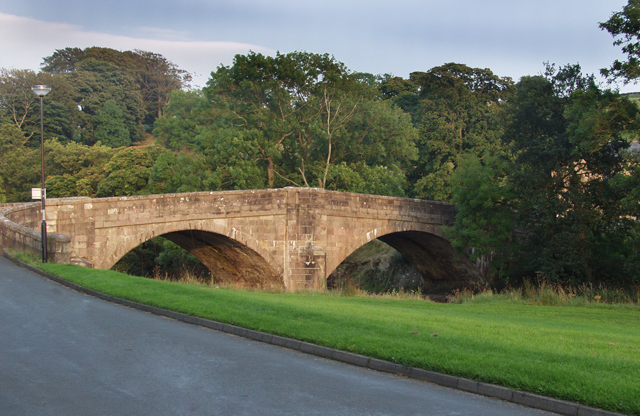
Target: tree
point(154, 75)
point(158, 77)
point(97, 82)
point(71, 169)
point(3, 196)
point(11, 139)
point(16, 98)
point(562, 208)
point(109, 127)
point(19, 105)
point(74, 169)
point(185, 116)
point(19, 166)
point(486, 204)
point(404, 93)
point(159, 255)
point(271, 95)
point(234, 156)
point(299, 116)
point(61, 113)
point(376, 141)
point(63, 61)
point(11, 143)
point(459, 113)
point(128, 171)
point(179, 172)
point(625, 26)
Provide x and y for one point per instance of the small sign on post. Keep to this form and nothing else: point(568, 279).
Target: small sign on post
point(36, 193)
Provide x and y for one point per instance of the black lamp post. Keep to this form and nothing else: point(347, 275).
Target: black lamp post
point(41, 91)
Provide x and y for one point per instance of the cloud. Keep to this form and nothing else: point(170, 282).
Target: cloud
point(162, 33)
point(26, 41)
point(511, 38)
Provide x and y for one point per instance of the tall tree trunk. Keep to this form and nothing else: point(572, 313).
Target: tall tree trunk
point(270, 178)
point(327, 103)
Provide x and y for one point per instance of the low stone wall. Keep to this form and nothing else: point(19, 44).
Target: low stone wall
point(20, 230)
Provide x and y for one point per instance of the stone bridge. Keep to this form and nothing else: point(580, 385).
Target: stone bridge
point(291, 237)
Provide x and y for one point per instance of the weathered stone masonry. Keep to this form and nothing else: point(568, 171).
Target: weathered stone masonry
point(20, 230)
point(291, 237)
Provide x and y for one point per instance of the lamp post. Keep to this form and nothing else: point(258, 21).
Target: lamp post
point(41, 91)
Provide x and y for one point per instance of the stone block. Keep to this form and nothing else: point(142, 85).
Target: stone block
point(435, 378)
point(467, 385)
point(388, 367)
point(316, 350)
point(590, 411)
point(258, 336)
point(545, 403)
point(234, 330)
point(350, 358)
point(491, 390)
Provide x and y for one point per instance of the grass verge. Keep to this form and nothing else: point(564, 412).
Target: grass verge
point(588, 355)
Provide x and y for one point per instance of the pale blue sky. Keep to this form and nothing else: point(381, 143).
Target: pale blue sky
point(510, 37)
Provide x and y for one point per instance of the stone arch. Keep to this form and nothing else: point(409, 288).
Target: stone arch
point(427, 249)
point(232, 256)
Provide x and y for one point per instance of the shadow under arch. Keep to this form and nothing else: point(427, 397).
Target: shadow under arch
point(230, 255)
point(442, 268)
point(228, 260)
point(433, 256)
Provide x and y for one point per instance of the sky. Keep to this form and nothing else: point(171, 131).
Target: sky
point(512, 38)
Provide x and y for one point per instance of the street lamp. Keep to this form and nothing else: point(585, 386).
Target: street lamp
point(41, 91)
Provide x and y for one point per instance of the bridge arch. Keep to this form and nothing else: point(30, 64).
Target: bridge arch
point(231, 255)
point(427, 249)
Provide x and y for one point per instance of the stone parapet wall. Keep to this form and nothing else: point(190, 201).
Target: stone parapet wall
point(26, 214)
point(20, 230)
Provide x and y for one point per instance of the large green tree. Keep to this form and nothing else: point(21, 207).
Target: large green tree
point(272, 96)
point(185, 116)
point(457, 111)
point(71, 169)
point(75, 169)
point(128, 171)
point(154, 75)
point(298, 117)
point(109, 126)
point(557, 204)
point(20, 106)
point(97, 82)
point(180, 172)
point(16, 98)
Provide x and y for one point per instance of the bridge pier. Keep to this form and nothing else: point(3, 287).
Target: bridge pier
point(307, 268)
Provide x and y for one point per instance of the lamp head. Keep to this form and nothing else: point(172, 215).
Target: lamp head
point(41, 90)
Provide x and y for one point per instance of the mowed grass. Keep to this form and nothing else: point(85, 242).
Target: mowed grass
point(589, 355)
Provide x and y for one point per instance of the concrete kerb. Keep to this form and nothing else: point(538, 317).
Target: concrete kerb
point(484, 389)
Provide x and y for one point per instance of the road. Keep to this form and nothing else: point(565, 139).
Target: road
point(63, 353)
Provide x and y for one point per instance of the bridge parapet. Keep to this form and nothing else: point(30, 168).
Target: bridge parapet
point(20, 230)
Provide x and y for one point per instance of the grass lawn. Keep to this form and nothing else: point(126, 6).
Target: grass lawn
point(587, 354)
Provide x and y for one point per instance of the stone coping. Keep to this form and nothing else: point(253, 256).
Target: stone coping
point(267, 191)
point(471, 386)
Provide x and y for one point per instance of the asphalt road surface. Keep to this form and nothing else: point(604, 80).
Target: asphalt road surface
point(64, 353)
